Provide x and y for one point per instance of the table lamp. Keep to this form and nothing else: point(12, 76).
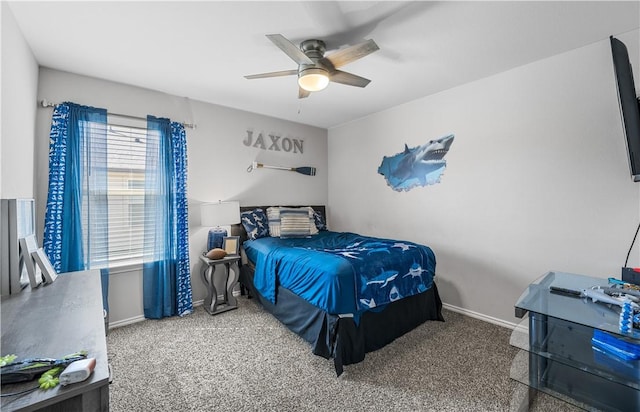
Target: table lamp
point(219, 214)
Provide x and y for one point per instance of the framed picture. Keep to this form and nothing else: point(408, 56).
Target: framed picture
point(231, 245)
point(48, 272)
point(28, 245)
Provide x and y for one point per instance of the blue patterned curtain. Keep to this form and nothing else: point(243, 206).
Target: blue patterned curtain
point(166, 275)
point(77, 190)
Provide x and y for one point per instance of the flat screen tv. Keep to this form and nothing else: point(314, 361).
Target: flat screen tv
point(629, 104)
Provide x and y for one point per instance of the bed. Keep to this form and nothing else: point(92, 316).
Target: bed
point(345, 294)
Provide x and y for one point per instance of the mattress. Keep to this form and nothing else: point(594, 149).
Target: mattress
point(341, 273)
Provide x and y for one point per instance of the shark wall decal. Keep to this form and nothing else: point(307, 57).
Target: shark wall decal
point(418, 166)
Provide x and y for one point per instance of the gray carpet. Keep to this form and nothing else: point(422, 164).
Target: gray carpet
point(245, 360)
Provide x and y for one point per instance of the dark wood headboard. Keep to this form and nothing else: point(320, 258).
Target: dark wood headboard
point(238, 230)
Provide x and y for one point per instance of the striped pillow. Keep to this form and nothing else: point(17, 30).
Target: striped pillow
point(294, 222)
point(273, 214)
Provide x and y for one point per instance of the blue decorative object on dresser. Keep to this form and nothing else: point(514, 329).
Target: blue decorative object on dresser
point(214, 240)
point(218, 214)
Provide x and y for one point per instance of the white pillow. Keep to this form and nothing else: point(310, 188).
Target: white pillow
point(313, 229)
point(273, 215)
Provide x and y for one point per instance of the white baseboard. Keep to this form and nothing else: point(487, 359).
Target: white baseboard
point(140, 318)
point(480, 316)
point(124, 322)
point(447, 306)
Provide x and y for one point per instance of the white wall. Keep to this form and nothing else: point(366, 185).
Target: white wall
point(536, 180)
point(217, 162)
point(19, 74)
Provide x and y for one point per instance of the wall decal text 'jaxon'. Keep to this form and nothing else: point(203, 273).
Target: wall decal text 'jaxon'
point(275, 143)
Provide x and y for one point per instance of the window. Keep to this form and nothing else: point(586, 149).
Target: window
point(124, 197)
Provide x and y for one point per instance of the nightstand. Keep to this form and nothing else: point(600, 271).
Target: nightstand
point(211, 303)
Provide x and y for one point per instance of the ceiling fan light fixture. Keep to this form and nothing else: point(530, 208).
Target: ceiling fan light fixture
point(313, 79)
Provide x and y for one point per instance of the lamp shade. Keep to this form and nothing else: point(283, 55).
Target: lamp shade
point(313, 79)
point(221, 213)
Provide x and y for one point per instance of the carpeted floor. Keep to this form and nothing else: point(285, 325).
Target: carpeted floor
point(245, 360)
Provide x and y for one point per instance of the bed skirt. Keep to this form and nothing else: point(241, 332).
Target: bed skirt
point(341, 338)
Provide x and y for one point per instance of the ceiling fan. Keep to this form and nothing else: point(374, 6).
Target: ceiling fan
point(315, 71)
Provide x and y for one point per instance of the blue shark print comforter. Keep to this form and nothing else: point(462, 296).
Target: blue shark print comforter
point(342, 273)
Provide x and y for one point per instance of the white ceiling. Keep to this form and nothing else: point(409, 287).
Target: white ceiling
point(202, 50)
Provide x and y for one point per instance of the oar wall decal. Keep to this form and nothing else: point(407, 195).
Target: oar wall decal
point(305, 170)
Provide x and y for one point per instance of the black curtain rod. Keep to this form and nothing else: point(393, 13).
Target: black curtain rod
point(46, 103)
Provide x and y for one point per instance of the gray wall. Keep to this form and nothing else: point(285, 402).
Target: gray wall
point(19, 88)
point(217, 163)
point(537, 179)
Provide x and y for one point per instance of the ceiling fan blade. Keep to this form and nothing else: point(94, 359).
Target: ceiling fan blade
point(352, 53)
point(302, 93)
point(349, 79)
point(290, 49)
point(272, 74)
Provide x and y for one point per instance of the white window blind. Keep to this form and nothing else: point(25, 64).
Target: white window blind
point(125, 182)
